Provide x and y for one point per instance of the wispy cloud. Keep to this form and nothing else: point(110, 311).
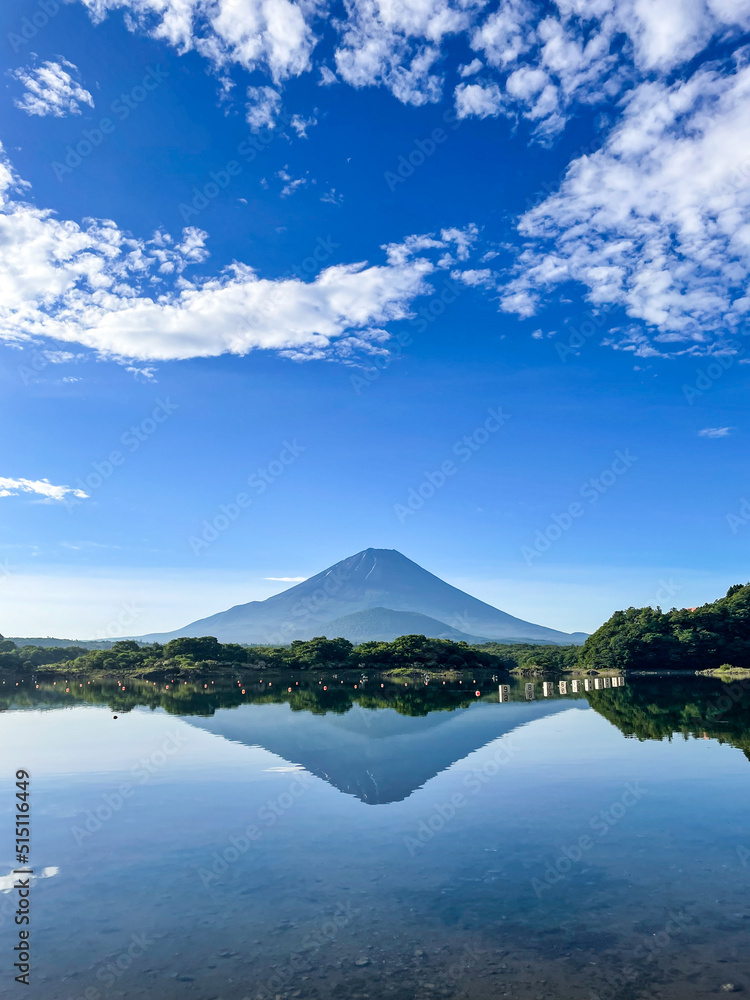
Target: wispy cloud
point(301, 125)
point(263, 106)
point(286, 579)
point(290, 183)
point(332, 197)
point(51, 90)
point(327, 77)
point(40, 487)
point(715, 432)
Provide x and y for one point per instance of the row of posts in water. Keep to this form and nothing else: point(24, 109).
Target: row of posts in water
point(575, 686)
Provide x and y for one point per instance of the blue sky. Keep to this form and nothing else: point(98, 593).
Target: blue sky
point(270, 271)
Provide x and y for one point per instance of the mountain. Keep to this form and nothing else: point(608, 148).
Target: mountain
point(385, 625)
point(376, 755)
point(374, 579)
point(50, 641)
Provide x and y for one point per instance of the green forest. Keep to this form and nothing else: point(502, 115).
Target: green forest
point(703, 638)
point(206, 654)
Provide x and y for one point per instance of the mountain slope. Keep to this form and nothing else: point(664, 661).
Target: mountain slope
point(374, 578)
point(385, 625)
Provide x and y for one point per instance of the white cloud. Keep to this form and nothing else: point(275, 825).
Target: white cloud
point(715, 432)
point(585, 50)
point(142, 373)
point(51, 90)
point(271, 35)
point(263, 106)
point(475, 278)
point(291, 184)
point(39, 487)
point(332, 197)
point(327, 77)
point(301, 125)
point(126, 298)
point(463, 240)
point(398, 44)
point(657, 221)
point(471, 68)
point(286, 579)
point(548, 59)
point(478, 100)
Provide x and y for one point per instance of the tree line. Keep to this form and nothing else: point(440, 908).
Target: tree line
point(206, 653)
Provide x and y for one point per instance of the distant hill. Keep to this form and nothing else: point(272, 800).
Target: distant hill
point(49, 641)
point(373, 579)
point(385, 625)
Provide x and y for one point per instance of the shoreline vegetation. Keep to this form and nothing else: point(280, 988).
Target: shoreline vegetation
point(712, 639)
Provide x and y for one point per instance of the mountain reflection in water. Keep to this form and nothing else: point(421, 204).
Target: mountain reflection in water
point(381, 739)
point(324, 836)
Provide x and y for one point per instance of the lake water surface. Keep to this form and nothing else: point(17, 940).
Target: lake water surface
point(418, 839)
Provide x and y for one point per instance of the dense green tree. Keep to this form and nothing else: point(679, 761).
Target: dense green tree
point(206, 647)
point(696, 639)
point(321, 652)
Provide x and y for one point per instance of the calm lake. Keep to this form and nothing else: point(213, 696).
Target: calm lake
point(347, 839)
